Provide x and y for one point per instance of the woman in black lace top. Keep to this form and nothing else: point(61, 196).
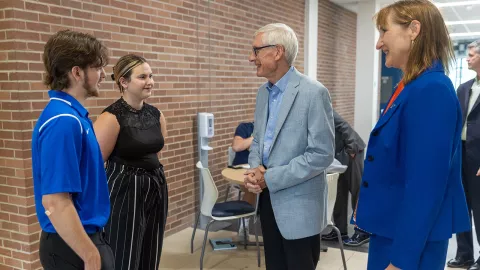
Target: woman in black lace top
point(131, 133)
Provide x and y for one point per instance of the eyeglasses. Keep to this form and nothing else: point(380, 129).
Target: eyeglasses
point(256, 49)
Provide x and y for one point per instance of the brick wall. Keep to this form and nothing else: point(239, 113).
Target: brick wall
point(337, 35)
point(198, 50)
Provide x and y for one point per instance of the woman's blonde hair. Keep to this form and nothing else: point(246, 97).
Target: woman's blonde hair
point(124, 68)
point(432, 43)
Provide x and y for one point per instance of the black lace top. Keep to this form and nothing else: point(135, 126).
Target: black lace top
point(140, 137)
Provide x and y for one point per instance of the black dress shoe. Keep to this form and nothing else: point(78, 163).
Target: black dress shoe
point(456, 263)
point(475, 266)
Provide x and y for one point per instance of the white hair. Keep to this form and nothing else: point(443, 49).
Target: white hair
point(280, 34)
point(476, 45)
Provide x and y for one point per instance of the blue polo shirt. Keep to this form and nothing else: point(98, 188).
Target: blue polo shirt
point(66, 158)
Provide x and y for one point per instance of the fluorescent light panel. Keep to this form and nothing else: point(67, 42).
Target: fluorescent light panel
point(465, 34)
point(458, 3)
point(462, 22)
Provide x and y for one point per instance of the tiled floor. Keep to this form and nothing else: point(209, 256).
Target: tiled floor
point(176, 255)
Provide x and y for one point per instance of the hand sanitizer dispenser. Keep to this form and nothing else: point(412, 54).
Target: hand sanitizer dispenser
point(205, 129)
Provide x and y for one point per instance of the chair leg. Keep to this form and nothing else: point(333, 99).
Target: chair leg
point(258, 245)
point(239, 199)
point(228, 191)
point(204, 243)
point(194, 230)
point(245, 240)
point(322, 247)
point(340, 242)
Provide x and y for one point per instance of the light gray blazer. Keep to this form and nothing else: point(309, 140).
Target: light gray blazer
point(302, 148)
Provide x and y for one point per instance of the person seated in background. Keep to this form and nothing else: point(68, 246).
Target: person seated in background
point(240, 145)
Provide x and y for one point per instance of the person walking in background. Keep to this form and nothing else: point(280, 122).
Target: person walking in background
point(349, 151)
point(468, 95)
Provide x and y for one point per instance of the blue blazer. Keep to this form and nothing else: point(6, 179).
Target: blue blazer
point(411, 190)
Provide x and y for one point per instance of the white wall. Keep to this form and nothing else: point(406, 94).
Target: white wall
point(367, 70)
point(311, 38)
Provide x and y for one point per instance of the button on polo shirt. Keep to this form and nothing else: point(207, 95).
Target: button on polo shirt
point(66, 158)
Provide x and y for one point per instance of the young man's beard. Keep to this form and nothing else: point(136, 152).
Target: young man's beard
point(89, 90)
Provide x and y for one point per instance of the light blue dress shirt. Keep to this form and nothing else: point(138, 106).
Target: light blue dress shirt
point(275, 96)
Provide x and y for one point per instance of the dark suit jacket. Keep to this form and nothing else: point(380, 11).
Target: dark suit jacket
point(347, 140)
point(473, 125)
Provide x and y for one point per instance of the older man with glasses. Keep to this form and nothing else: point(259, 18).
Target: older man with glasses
point(293, 144)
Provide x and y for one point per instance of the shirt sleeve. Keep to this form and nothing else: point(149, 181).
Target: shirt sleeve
point(242, 131)
point(60, 154)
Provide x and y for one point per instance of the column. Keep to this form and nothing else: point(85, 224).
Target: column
point(367, 70)
point(311, 38)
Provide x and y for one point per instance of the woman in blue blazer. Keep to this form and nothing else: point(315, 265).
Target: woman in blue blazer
point(411, 197)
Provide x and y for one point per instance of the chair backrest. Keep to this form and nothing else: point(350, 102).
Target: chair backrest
point(210, 191)
point(231, 156)
point(332, 182)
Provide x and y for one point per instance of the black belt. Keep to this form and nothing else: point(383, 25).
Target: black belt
point(96, 237)
point(154, 173)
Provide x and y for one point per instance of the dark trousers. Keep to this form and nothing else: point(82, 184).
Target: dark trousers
point(55, 254)
point(471, 185)
point(282, 254)
point(348, 182)
point(139, 203)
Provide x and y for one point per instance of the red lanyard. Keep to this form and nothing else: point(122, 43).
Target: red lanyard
point(395, 95)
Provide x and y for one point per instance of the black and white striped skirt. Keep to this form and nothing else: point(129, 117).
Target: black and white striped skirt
point(139, 207)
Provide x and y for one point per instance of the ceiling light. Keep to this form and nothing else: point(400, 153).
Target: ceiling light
point(462, 22)
point(458, 3)
point(465, 34)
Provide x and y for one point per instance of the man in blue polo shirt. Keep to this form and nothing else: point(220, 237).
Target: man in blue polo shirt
point(70, 185)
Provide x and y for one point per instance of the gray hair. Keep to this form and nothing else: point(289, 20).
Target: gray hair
point(280, 34)
point(476, 45)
